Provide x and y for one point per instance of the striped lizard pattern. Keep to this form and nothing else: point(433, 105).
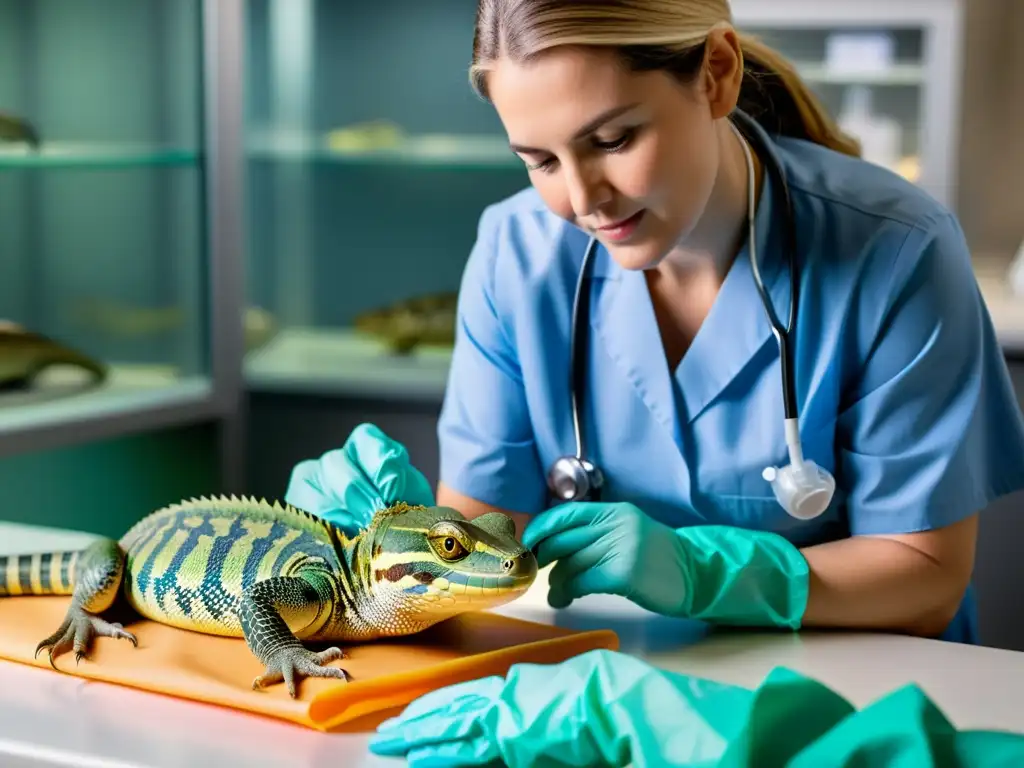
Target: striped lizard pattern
point(278, 576)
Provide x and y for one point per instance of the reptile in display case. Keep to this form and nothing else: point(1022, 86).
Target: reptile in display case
point(24, 354)
point(413, 322)
point(16, 129)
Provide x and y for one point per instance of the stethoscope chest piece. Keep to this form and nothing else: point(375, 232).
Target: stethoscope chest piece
point(574, 479)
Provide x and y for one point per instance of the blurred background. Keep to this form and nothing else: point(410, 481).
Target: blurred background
point(231, 230)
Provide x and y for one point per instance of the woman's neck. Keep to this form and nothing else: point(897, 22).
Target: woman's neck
point(685, 285)
point(712, 247)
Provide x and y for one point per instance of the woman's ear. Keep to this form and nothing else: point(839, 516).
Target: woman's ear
point(723, 71)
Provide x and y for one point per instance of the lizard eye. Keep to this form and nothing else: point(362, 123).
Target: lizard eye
point(449, 548)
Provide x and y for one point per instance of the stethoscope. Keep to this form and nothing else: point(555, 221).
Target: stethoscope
point(802, 488)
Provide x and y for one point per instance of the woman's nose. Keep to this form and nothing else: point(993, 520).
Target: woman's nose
point(588, 191)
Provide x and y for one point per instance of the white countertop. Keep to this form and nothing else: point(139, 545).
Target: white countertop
point(48, 719)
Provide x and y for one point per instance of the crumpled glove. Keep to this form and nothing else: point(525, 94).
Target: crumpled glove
point(712, 573)
point(599, 708)
point(604, 708)
point(346, 486)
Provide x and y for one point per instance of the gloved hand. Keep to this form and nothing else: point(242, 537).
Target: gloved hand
point(598, 708)
point(347, 485)
point(719, 574)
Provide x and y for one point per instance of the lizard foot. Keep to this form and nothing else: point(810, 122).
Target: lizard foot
point(78, 631)
point(291, 664)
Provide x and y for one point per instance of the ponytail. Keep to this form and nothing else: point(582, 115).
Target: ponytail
point(774, 94)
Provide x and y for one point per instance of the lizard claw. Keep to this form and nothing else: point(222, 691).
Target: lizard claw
point(292, 664)
point(77, 632)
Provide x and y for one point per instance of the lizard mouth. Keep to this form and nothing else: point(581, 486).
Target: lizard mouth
point(454, 595)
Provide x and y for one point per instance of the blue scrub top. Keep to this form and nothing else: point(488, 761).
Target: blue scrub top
point(903, 391)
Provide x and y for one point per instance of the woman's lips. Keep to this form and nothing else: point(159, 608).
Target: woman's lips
point(622, 229)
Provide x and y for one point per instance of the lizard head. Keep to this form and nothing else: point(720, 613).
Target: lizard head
point(431, 563)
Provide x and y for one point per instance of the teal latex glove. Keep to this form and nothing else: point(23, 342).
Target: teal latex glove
point(718, 574)
point(604, 708)
point(598, 708)
point(347, 485)
point(904, 729)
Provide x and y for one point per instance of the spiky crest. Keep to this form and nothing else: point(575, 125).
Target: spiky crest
point(262, 509)
point(252, 507)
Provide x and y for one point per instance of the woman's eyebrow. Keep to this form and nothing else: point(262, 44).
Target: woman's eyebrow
point(590, 127)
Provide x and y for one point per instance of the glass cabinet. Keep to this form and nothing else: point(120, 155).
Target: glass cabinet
point(105, 258)
point(369, 161)
point(200, 196)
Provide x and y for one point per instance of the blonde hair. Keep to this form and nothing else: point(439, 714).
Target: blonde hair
point(666, 35)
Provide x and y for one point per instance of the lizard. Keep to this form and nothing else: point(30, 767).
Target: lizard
point(279, 576)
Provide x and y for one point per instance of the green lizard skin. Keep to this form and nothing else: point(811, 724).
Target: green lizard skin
point(278, 576)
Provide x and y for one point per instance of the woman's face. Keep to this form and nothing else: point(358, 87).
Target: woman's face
point(630, 158)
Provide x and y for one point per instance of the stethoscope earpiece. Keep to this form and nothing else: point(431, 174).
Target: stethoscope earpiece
point(802, 488)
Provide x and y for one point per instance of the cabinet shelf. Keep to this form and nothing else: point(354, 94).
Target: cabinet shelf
point(896, 75)
point(94, 156)
point(59, 410)
point(428, 151)
point(337, 361)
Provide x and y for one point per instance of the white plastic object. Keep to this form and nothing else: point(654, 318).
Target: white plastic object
point(802, 487)
point(879, 135)
point(859, 52)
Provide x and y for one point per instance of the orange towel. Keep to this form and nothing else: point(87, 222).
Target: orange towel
point(385, 675)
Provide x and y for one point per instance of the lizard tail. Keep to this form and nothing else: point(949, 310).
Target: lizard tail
point(39, 573)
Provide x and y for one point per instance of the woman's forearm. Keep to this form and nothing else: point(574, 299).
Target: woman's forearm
point(911, 583)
